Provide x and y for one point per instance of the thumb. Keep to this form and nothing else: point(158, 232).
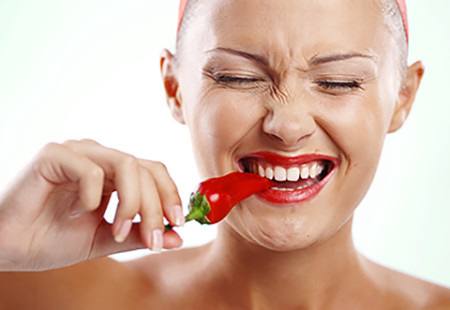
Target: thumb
point(104, 243)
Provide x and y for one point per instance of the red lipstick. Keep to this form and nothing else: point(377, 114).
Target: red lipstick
point(291, 188)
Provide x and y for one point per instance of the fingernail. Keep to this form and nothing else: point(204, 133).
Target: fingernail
point(74, 214)
point(178, 214)
point(123, 231)
point(75, 209)
point(157, 240)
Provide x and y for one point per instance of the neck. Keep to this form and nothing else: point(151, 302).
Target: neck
point(297, 279)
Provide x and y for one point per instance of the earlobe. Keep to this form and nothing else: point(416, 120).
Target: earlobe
point(171, 85)
point(407, 95)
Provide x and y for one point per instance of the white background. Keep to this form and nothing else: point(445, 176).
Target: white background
point(90, 69)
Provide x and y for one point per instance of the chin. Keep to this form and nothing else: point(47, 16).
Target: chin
point(276, 234)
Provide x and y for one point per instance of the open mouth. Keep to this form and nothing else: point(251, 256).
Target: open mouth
point(289, 178)
point(297, 178)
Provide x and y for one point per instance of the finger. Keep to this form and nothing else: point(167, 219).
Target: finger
point(172, 240)
point(123, 170)
point(151, 212)
point(127, 180)
point(104, 243)
point(168, 192)
point(58, 164)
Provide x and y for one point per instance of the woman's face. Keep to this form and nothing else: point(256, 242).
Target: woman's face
point(290, 88)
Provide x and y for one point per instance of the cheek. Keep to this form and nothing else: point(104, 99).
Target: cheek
point(359, 128)
point(218, 121)
point(357, 125)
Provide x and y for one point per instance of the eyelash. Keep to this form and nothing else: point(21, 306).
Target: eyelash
point(330, 85)
point(324, 84)
point(227, 79)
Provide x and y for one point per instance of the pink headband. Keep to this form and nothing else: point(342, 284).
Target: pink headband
point(183, 4)
point(401, 5)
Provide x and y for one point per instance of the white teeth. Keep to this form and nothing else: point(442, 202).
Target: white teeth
point(319, 169)
point(269, 173)
point(280, 174)
point(293, 174)
point(261, 171)
point(304, 172)
point(284, 189)
point(313, 171)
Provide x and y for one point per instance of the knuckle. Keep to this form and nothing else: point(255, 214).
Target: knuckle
point(128, 161)
point(48, 152)
point(76, 143)
point(70, 142)
point(72, 145)
point(95, 172)
point(89, 141)
point(147, 175)
point(50, 148)
point(159, 168)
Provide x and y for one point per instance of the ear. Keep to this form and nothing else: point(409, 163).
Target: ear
point(168, 72)
point(407, 95)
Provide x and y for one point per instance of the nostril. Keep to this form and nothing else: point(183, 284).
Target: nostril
point(287, 135)
point(275, 137)
point(287, 141)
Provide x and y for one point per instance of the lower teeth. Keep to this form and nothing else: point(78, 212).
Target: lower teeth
point(286, 189)
point(289, 187)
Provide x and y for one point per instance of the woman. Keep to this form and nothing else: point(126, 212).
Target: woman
point(300, 91)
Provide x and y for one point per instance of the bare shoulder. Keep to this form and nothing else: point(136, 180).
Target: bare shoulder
point(102, 284)
point(431, 295)
point(175, 277)
point(169, 264)
point(439, 297)
point(411, 292)
point(97, 284)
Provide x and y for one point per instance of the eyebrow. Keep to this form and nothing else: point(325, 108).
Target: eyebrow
point(314, 61)
point(318, 60)
point(257, 58)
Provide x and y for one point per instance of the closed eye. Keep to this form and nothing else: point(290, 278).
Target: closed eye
point(238, 81)
point(226, 79)
point(330, 85)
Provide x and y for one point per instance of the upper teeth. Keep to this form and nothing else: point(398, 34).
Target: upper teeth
point(293, 174)
point(280, 174)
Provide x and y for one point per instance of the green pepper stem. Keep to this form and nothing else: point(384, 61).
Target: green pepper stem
point(198, 209)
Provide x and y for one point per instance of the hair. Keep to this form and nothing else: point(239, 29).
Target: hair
point(394, 22)
point(190, 10)
point(392, 18)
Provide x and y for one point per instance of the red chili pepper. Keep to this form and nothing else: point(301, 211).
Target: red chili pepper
point(215, 197)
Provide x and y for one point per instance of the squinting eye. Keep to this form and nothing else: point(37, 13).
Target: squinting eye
point(225, 79)
point(334, 85)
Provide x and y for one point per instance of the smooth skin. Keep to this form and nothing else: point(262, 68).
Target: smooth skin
point(56, 207)
point(262, 80)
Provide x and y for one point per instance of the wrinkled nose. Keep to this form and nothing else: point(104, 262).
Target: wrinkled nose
point(289, 123)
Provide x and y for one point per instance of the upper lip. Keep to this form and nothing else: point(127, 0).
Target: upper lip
point(281, 160)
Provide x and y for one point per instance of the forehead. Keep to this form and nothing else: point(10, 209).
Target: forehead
point(299, 26)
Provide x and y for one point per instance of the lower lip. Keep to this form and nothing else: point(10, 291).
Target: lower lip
point(296, 196)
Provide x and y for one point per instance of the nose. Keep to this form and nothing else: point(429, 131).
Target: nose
point(289, 123)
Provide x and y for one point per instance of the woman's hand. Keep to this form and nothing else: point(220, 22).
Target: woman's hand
point(53, 215)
